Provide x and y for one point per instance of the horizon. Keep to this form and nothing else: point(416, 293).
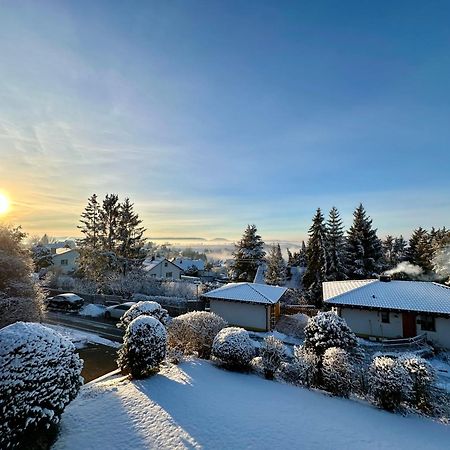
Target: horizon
point(212, 116)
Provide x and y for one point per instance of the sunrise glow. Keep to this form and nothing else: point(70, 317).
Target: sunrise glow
point(4, 204)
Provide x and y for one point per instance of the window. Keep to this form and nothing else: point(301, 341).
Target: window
point(168, 274)
point(64, 262)
point(385, 317)
point(165, 264)
point(427, 323)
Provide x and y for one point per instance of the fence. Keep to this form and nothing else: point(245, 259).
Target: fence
point(415, 341)
point(309, 310)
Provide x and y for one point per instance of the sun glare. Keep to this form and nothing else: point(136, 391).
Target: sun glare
point(4, 204)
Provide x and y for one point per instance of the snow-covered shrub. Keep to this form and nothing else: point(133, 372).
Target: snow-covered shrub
point(256, 365)
point(305, 366)
point(389, 382)
point(293, 325)
point(233, 348)
point(423, 377)
point(194, 332)
point(144, 347)
point(326, 330)
point(271, 353)
point(152, 309)
point(337, 372)
point(39, 376)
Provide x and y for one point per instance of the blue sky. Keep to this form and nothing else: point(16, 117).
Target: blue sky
point(213, 114)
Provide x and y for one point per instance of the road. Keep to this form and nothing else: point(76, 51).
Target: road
point(100, 327)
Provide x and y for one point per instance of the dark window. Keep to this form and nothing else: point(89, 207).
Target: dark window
point(168, 274)
point(427, 323)
point(385, 317)
point(165, 264)
point(64, 262)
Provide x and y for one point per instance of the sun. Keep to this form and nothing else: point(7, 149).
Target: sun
point(4, 204)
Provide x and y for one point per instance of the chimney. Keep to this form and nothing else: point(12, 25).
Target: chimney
point(385, 278)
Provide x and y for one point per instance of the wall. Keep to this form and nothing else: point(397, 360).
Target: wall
point(72, 265)
point(160, 271)
point(368, 323)
point(245, 315)
point(442, 334)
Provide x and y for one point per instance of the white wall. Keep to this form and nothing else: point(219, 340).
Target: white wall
point(245, 315)
point(368, 323)
point(442, 334)
point(72, 263)
point(161, 271)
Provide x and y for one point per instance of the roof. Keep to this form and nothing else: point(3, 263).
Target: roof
point(64, 251)
point(419, 296)
point(248, 292)
point(186, 263)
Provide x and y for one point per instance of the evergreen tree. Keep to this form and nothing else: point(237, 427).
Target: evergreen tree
point(109, 222)
point(302, 256)
point(276, 267)
point(364, 249)
point(316, 268)
point(129, 235)
point(335, 247)
point(420, 252)
point(248, 255)
point(291, 261)
point(90, 224)
point(399, 250)
point(389, 252)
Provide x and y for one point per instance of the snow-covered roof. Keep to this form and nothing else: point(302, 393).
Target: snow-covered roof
point(248, 292)
point(185, 263)
point(150, 263)
point(416, 296)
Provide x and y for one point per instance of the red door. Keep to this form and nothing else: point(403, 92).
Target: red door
point(409, 324)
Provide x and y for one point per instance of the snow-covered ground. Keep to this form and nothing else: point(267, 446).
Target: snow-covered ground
point(81, 338)
point(197, 405)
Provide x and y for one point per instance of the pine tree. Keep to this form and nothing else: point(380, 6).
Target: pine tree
point(316, 268)
point(388, 251)
point(335, 247)
point(420, 252)
point(130, 235)
point(399, 250)
point(109, 222)
point(90, 220)
point(364, 249)
point(248, 255)
point(276, 267)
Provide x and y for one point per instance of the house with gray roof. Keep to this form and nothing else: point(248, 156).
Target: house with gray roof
point(390, 309)
point(249, 305)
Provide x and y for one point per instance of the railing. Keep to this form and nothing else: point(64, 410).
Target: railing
point(406, 342)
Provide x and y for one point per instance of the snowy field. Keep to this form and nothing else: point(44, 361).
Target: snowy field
point(197, 405)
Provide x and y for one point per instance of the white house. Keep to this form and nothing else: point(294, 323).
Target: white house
point(162, 268)
point(66, 260)
point(392, 309)
point(249, 305)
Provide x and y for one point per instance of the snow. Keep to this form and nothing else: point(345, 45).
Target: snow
point(197, 405)
point(81, 338)
point(93, 310)
point(248, 292)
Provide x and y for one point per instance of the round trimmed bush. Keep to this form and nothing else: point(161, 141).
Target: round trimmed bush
point(145, 308)
point(272, 354)
point(39, 377)
point(194, 332)
point(389, 382)
point(144, 347)
point(233, 348)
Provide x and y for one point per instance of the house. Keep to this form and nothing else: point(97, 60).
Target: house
point(249, 305)
point(186, 264)
point(392, 309)
point(65, 260)
point(162, 268)
point(55, 247)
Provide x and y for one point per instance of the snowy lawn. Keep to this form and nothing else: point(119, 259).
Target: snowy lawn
point(197, 405)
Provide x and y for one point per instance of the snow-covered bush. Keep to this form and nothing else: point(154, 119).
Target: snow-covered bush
point(144, 347)
point(389, 382)
point(423, 377)
point(152, 309)
point(326, 330)
point(337, 372)
point(39, 376)
point(233, 348)
point(293, 325)
point(305, 366)
point(194, 332)
point(271, 353)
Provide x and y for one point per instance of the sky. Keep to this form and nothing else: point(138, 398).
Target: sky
point(211, 114)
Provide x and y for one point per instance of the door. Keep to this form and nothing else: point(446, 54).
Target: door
point(409, 324)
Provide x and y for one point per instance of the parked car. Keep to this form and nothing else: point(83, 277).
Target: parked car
point(67, 301)
point(117, 311)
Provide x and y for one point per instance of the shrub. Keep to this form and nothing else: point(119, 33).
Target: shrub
point(144, 347)
point(40, 375)
point(194, 332)
point(389, 382)
point(337, 372)
point(423, 377)
point(152, 309)
point(306, 366)
point(271, 353)
point(326, 330)
point(233, 348)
